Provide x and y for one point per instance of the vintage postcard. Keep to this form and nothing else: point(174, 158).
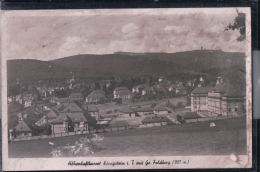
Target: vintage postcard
point(126, 89)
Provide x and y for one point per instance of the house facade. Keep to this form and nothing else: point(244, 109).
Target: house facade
point(96, 97)
point(161, 110)
point(144, 111)
point(122, 93)
point(71, 118)
point(69, 122)
point(21, 130)
point(225, 100)
point(221, 100)
point(48, 118)
point(93, 112)
point(76, 97)
point(127, 113)
point(199, 99)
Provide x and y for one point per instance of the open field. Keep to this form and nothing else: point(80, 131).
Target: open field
point(229, 136)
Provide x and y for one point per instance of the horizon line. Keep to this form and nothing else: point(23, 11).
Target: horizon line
point(127, 53)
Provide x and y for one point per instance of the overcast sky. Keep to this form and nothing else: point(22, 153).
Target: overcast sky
point(48, 37)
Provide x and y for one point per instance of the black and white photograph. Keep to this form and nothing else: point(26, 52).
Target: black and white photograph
point(126, 89)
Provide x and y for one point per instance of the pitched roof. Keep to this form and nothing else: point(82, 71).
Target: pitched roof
point(58, 107)
point(22, 127)
point(143, 109)
point(120, 88)
point(161, 108)
point(235, 91)
point(122, 91)
point(156, 119)
point(76, 95)
point(220, 88)
point(51, 114)
point(74, 117)
point(92, 109)
point(71, 107)
point(61, 100)
point(141, 86)
point(97, 94)
point(230, 90)
point(202, 90)
point(127, 110)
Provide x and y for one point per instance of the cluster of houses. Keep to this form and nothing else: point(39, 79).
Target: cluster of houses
point(163, 86)
point(222, 100)
point(69, 116)
point(76, 112)
point(66, 116)
point(25, 99)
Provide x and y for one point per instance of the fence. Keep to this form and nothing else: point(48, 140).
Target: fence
point(210, 118)
point(121, 128)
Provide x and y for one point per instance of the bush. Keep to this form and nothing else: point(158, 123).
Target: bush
point(180, 119)
point(118, 101)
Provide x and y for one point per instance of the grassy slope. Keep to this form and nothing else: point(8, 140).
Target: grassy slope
point(229, 136)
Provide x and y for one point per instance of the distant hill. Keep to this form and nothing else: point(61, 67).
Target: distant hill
point(31, 70)
point(129, 64)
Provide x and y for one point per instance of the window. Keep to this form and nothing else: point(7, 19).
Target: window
point(229, 109)
point(235, 109)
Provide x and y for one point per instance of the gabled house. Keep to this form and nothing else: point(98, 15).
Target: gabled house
point(95, 97)
point(142, 89)
point(122, 93)
point(71, 118)
point(18, 98)
point(138, 88)
point(76, 97)
point(70, 107)
point(59, 100)
point(48, 118)
point(94, 112)
point(27, 103)
point(161, 110)
point(127, 112)
point(21, 130)
point(69, 122)
point(141, 111)
point(10, 99)
point(199, 99)
point(180, 89)
point(226, 100)
point(172, 88)
point(156, 120)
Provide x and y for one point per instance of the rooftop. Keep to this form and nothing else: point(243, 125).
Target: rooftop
point(74, 117)
point(202, 90)
point(127, 110)
point(76, 95)
point(71, 107)
point(156, 119)
point(120, 88)
point(190, 115)
point(22, 127)
point(96, 94)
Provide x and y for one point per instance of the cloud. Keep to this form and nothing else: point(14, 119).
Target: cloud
point(130, 30)
point(70, 43)
point(130, 27)
point(49, 37)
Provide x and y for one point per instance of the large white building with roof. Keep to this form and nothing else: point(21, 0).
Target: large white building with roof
point(224, 99)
